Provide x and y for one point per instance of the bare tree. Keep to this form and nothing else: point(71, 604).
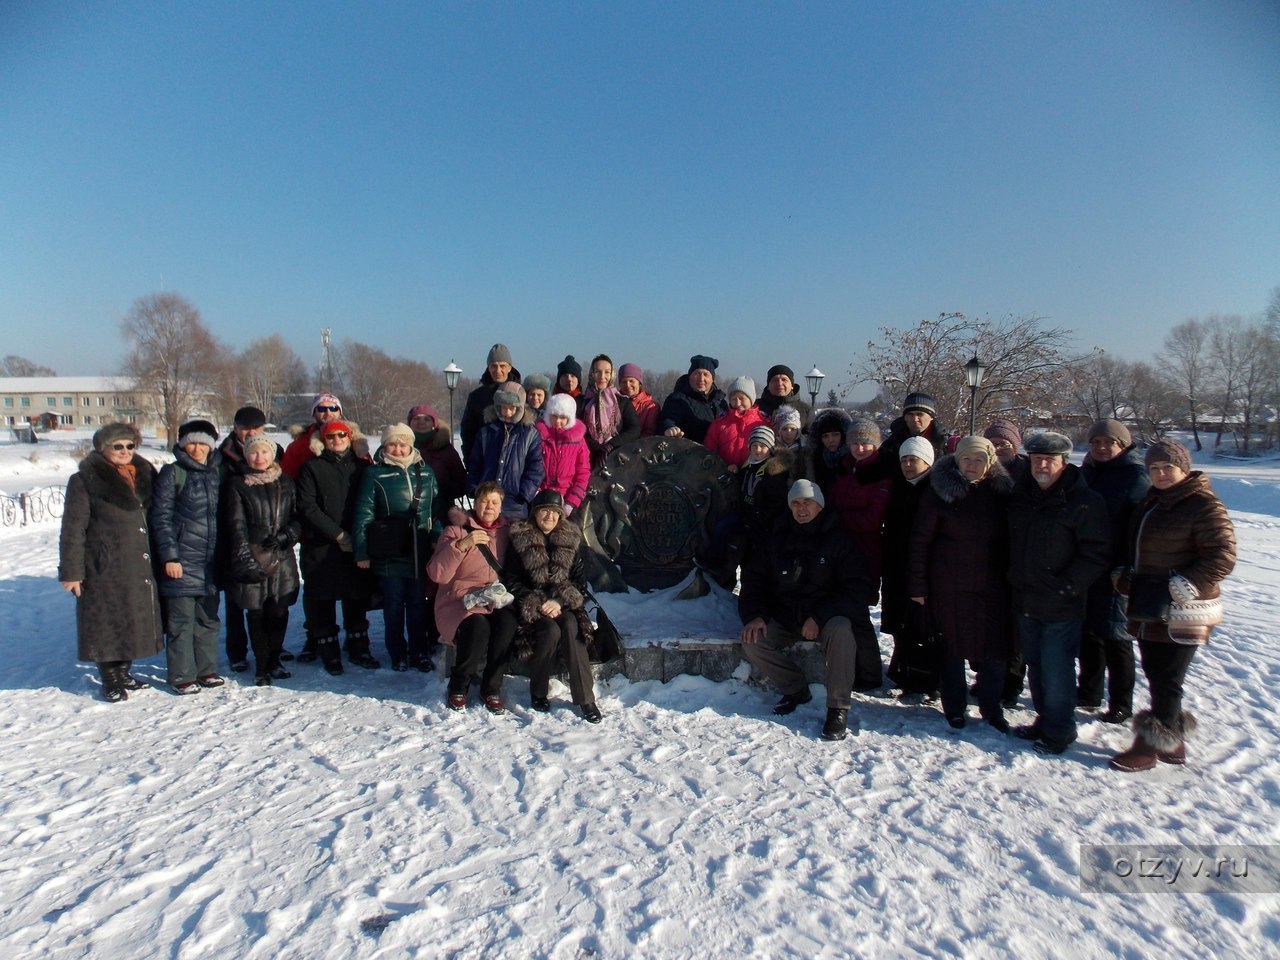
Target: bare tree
point(1273, 312)
point(1103, 386)
point(172, 356)
point(1027, 364)
point(1155, 403)
point(377, 389)
point(1227, 361)
point(15, 366)
point(268, 370)
point(1185, 361)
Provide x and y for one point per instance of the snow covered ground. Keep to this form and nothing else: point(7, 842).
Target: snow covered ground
point(356, 816)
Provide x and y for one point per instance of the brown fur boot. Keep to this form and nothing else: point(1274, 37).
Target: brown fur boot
point(1178, 755)
point(1151, 737)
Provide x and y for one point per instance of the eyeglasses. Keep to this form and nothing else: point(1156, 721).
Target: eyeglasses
point(1002, 444)
point(324, 409)
point(336, 435)
point(123, 446)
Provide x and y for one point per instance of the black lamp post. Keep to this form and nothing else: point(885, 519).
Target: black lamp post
point(813, 380)
point(451, 374)
point(973, 371)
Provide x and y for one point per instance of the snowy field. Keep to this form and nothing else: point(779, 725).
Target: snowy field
point(357, 817)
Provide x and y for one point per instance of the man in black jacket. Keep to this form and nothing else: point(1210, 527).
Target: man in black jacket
point(498, 371)
point(1059, 544)
point(807, 581)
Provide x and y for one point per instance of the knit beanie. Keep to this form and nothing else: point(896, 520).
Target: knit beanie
point(631, 370)
point(1004, 430)
point(113, 432)
point(782, 368)
point(198, 431)
point(1049, 443)
point(762, 434)
point(979, 445)
point(325, 400)
point(261, 440)
point(569, 365)
point(806, 489)
point(786, 416)
point(862, 430)
point(498, 353)
point(333, 426)
point(423, 410)
point(250, 418)
point(1169, 451)
point(919, 401)
point(742, 385)
point(703, 362)
point(917, 447)
point(561, 405)
point(397, 431)
point(1114, 429)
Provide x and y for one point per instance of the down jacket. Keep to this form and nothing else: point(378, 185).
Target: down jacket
point(510, 453)
point(258, 505)
point(960, 557)
point(326, 490)
point(691, 411)
point(459, 572)
point(1059, 542)
point(729, 433)
point(474, 414)
point(104, 544)
point(566, 459)
point(804, 570)
point(1184, 530)
point(386, 490)
point(184, 524)
point(1122, 482)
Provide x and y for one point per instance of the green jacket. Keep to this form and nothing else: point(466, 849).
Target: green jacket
point(388, 490)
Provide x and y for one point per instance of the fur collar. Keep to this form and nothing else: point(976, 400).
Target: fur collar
point(357, 438)
point(951, 486)
point(527, 417)
point(102, 480)
point(548, 562)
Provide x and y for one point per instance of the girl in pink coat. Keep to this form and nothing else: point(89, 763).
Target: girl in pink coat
point(565, 454)
point(729, 435)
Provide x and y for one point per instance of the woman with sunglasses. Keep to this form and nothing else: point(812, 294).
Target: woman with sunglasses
point(105, 559)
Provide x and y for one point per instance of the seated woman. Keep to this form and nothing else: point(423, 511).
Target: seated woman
point(467, 560)
point(544, 570)
point(398, 485)
point(566, 457)
point(609, 417)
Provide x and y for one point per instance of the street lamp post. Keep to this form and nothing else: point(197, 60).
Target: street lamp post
point(813, 380)
point(451, 374)
point(973, 371)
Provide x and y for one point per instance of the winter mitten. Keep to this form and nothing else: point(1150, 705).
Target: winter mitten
point(1182, 590)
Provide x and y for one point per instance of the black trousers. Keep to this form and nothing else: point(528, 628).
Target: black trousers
point(266, 632)
point(554, 639)
point(955, 690)
point(320, 609)
point(1106, 656)
point(1166, 665)
point(483, 638)
point(237, 635)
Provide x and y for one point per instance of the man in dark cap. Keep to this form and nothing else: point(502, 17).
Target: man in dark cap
point(918, 420)
point(695, 402)
point(781, 387)
point(498, 371)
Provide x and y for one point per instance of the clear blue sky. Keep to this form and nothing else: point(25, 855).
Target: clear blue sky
point(762, 182)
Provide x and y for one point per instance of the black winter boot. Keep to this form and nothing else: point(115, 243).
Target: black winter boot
point(113, 690)
point(127, 679)
point(358, 650)
point(326, 648)
point(310, 650)
point(837, 725)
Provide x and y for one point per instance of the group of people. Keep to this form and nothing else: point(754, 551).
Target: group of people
point(1013, 562)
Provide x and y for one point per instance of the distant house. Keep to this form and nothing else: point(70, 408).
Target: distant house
point(52, 402)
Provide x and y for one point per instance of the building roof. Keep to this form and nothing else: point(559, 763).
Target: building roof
point(52, 385)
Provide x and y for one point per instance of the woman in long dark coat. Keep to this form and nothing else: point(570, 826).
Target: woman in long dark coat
point(544, 570)
point(915, 663)
point(105, 559)
point(959, 560)
point(258, 512)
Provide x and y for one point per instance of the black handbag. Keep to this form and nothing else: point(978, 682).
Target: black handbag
point(1149, 598)
point(606, 642)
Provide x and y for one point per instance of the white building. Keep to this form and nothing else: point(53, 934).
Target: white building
point(52, 402)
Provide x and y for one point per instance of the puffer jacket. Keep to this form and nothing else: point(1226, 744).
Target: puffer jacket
point(804, 570)
point(728, 435)
point(691, 411)
point(184, 524)
point(479, 403)
point(105, 545)
point(459, 572)
point(386, 490)
point(510, 453)
point(1184, 530)
point(258, 505)
point(566, 459)
point(327, 487)
point(1122, 482)
point(1060, 543)
point(959, 560)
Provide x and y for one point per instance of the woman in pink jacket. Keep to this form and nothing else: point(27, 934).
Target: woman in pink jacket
point(729, 435)
point(565, 454)
point(466, 560)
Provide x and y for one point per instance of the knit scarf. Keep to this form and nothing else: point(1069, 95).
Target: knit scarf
point(129, 473)
point(261, 478)
point(602, 414)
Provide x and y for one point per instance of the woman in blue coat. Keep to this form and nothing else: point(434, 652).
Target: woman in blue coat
point(184, 534)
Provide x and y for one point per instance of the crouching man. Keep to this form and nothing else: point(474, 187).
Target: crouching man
point(806, 581)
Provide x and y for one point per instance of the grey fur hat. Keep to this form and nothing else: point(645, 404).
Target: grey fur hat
point(1048, 443)
point(112, 432)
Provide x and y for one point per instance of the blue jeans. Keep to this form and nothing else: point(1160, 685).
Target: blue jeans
point(404, 599)
point(1051, 648)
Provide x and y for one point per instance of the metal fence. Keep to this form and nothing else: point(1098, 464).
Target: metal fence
point(42, 505)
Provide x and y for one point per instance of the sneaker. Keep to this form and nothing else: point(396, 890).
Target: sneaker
point(280, 673)
point(837, 725)
point(591, 713)
point(494, 705)
point(239, 666)
point(400, 664)
point(456, 701)
point(790, 701)
point(286, 655)
point(541, 704)
point(185, 689)
point(1116, 715)
point(210, 680)
point(424, 663)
